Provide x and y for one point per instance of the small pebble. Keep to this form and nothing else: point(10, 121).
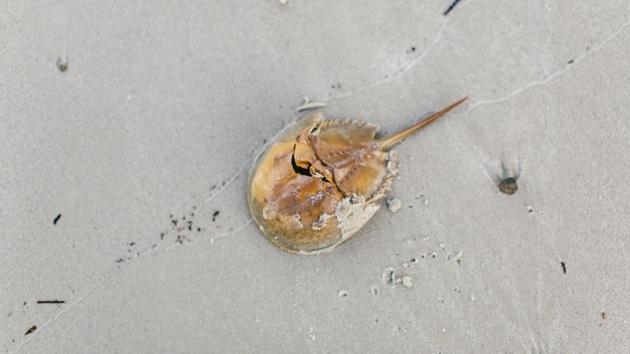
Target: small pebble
point(342, 293)
point(62, 64)
point(393, 204)
point(508, 185)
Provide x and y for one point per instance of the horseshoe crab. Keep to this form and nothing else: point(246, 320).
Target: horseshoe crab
point(321, 179)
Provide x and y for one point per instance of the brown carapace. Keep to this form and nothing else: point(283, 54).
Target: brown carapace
point(321, 179)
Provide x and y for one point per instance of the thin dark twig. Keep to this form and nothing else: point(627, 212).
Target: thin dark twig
point(51, 302)
point(450, 8)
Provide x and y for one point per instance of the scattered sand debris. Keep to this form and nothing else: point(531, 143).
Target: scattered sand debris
point(392, 279)
point(458, 257)
point(310, 333)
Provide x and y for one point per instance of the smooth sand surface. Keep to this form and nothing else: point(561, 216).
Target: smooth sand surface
point(125, 117)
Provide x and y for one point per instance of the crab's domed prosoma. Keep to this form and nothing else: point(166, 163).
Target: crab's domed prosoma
point(320, 181)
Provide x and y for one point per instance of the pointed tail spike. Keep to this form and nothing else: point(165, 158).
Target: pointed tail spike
point(396, 138)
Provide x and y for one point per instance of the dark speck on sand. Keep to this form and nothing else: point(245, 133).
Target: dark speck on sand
point(30, 330)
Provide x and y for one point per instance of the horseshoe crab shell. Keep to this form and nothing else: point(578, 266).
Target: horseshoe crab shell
point(320, 181)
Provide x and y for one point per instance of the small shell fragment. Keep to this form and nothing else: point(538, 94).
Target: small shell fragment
point(389, 277)
point(406, 281)
point(393, 204)
point(308, 105)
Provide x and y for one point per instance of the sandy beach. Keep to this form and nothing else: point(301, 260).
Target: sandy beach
point(128, 131)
